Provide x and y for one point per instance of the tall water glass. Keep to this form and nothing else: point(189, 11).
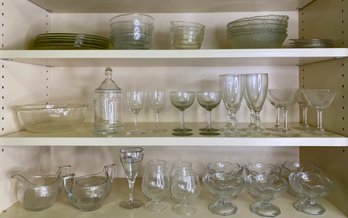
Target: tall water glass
point(157, 103)
point(131, 159)
point(232, 90)
point(256, 87)
point(156, 184)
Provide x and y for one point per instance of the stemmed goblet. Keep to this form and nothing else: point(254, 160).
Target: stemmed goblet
point(276, 127)
point(251, 124)
point(185, 188)
point(320, 99)
point(284, 98)
point(157, 103)
point(135, 100)
point(232, 90)
point(301, 100)
point(131, 160)
point(156, 184)
point(182, 100)
point(209, 100)
point(256, 86)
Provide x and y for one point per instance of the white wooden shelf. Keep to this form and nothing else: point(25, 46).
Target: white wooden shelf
point(64, 208)
point(174, 58)
point(167, 6)
point(84, 136)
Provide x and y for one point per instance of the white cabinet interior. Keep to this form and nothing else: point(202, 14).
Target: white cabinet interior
point(43, 76)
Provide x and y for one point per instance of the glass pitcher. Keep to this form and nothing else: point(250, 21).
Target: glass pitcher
point(38, 192)
point(108, 106)
point(89, 192)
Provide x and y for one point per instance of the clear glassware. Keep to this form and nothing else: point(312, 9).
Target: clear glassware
point(108, 106)
point(320, 99)
point(276, 127)
point(38, 192)
point(209, 100)
point(262, 168)
point(135, 100)
point(185, 189)
point(251, 124)
point(225, 182)
point(256, 86)
point(301, 100)
point(157, 103)
point(311, 186)
point(131, 159)
point(156, 184)
point(89, 192)
point(232, 91)
point(182, 100)
point(179, 165)
point(284, 98)
point(266, 187)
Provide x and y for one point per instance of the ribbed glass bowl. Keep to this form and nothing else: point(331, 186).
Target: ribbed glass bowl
point(186, 35)
point(267, 19)
point(46, 118)
point(257, 39)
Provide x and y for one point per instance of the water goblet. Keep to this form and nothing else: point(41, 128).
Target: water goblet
point(209, 100)
point(185, 188)
point(266, 187)
point(251, 124)
point(156, 185)
point(157, 103)
point(320, 99)
point(311, 186)
point(256, 86)
point(182, 100)
point(131, 160)
point(284, 98)
point(179, 165)
point(232, 90)
point(135, 100)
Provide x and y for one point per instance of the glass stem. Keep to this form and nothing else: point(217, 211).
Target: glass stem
point(285, 112)
point(182, 120)
point(232, 120)
point(131, 191)
point(209, 119)
point(304, 116)
point(277, 122)
point(136, 121)
point(320, 120)
point(251, 118)
point(157, 120)
point(257, 120)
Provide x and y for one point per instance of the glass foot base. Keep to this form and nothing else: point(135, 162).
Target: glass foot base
point(188, 133)
point(308, 207)
point(265, 210)
point(155, 207)
point(136, 204)
point(209, 132)
point(135, 132)
point(222, 208)
point(182, 130)
point(205, 129)
point(184, 209)
point(157, 130)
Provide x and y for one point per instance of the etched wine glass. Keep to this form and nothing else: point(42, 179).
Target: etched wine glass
point(256, 86)
point(135, 100)
point(157, 103)
point(182, 100)
point(156, 184)
point(320, 99)
point(232, 90)
point(185, 189)
point(131, 160)
point(209, 100)
point(284, 98)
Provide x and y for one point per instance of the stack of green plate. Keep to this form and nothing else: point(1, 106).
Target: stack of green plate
point(70, 41)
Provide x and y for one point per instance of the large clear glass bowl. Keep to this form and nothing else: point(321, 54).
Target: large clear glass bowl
point(45, 118)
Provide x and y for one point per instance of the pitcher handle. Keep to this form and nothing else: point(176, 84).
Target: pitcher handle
point(67, 187)
point(111, 170)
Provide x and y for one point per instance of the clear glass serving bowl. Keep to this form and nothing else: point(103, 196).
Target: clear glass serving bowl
point(45, 118)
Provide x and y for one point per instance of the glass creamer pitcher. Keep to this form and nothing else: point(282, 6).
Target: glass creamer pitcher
point(89, 192)
point(38, 192)
point(108, 106)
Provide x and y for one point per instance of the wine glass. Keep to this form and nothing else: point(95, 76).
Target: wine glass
point(320, 99)
point(276, 127)
point(185, 188)
point(256, 86)
point(301, 100)
point(155, 184)
point(182, 100)
point(157, 103)
point(179, 165)
point(284, 98)
point(232, 90)
point(135, 100)
point(209, 100)
point(131, 160)
point(251, 124)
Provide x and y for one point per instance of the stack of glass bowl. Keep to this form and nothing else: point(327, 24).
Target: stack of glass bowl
point(132, 31)
point(267, 31)
point(186, 35)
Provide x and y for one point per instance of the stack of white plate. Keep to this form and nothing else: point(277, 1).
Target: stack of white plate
point(267, 31)
point(70, 41)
